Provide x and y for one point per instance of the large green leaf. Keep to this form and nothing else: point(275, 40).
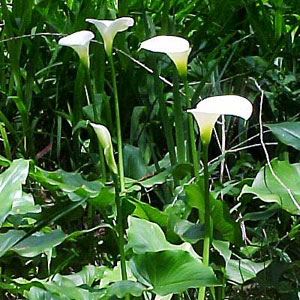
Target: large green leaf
point(222, 221)
point(87, 276)
point(39, 243)
point(8, 239)
point(288, 133)
point(146, 211)
point(242, 270)
point(25, 205)
point(145, 236)
point(114, 275)
point(186, 230)
point(125, 287)
point(268, 189)
point(76, 286)
point(11, 181)
point(171, 271)
point(223, 248)
point(74, 186)
point(37, 293)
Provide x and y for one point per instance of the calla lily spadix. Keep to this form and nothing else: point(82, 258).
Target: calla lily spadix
point(109, 28)
point(104, 139)
point(177, 48)
point(210, 109)
point(80, 42)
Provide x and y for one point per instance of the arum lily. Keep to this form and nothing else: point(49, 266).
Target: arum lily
point(208, 111)
point(109, 28)
point(80, 42)
point(206, 114)
point(104, 139)
point(177, 48)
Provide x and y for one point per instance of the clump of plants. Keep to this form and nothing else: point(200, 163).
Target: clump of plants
point(141, 201)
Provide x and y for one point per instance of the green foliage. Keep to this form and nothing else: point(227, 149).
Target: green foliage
point(287, 133)
point(59, 225)
point(283, 190)
point(171, 271)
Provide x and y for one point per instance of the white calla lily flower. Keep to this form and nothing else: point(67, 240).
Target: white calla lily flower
point(177, 48)
point(80, 42)
point(104, 139)
point(109, 28)
point(210, 109)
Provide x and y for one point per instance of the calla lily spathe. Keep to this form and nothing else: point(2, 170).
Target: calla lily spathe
point(80, 42)
point(177, 48)
point(210, 109)
point(104, 139)
point(109, 28)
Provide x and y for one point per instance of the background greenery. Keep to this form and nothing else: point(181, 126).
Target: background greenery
point(51, 247)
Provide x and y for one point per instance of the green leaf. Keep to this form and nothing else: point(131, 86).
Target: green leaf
point(39, 243)
point(171, 271)
point(76, 286)
point(74, 186)
point(223, 248)
point(261, 215)
point(186, 230)
point(148, 212)
point(114, 275)
point(134, 164)
point(36, 293)
point(8, 239)
point(25, 205)
point(86, 276)
point(144, 236)
point(11, 182)
point(242, 270)
point(157, 179)
point(287, 133)
point(268, 189)
point(222, 220)
point(125, 287)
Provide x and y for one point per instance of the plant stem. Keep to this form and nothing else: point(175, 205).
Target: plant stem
point(165, 118)
point(207, 229)
point(78, 96)
point(121, 174)
point(120, 228)
point(195, 160)
point(91, 95)
point(118, 124)
point(179, 127)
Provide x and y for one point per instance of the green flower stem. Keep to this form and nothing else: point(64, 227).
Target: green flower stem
point(179, 127)
point(164, 118)
point(120, 228)
point(78, 96)
point(191, 131)
point(121, 175)
point(91, 94)
point(207, 222)
point(118, 124)
point(207, 207)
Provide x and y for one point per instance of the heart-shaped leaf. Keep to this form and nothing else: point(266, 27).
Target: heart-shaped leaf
point(171, 271)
